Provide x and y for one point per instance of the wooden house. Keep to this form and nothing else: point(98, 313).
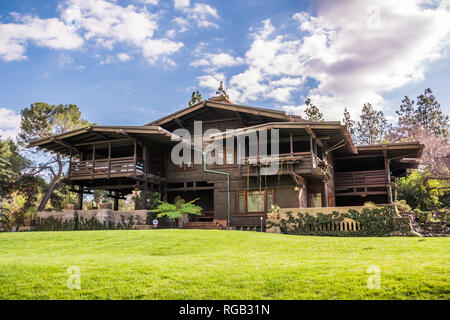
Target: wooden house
point(319, 165)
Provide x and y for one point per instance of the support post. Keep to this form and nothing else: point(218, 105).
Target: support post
point(93, 161)
point(311, 148)
point(145, 158)
point(135, 156)
point(388, 175)
point(325, 192)
point(109, 160)
point(116, 201)
point(291, 143)
point(80, 198)
point(70, 165)
point(144, 196)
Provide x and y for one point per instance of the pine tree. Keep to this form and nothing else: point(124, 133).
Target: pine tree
point(312, 111)
point(429, 114)
point(349, 122)
point(196, 98)
point(372, 127)
point(221, 91)
point(406, 113)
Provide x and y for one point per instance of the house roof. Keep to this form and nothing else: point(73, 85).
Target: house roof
point(331, 131)
point(76, 139)
point(211, 103)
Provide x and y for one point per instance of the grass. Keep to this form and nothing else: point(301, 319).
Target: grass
point(201, 264)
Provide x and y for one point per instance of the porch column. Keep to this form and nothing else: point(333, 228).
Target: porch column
point(144, 196)
point(388, 175)
point(325, 192)
point(116, 201)
point(80, 198)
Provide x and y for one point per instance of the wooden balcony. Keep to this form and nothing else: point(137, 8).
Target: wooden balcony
point(361, 182)
point(306, 163)
point(106, 168)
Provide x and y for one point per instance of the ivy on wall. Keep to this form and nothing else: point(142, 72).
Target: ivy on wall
point(56, 224)
point(370, 221)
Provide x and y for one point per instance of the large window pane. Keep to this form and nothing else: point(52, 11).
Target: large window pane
point(241, 202)
point(255, 201)
point(316, 200)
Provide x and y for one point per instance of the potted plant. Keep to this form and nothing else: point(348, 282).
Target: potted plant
point(177, 209)
point(273, 212)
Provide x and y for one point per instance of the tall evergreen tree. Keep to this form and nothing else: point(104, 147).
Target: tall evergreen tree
point(196, 98)
point(372, 127)
point(221, 91)
point(350, 124)
point(429, 114)
point(312, 111)
point(42, 120)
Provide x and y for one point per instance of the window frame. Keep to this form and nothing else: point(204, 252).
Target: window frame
point(224, 158)
point(245, 192)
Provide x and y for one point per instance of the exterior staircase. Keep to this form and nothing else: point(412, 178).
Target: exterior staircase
point(206, 225)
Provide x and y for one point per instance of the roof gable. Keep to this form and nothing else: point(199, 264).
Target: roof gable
point(270, 114)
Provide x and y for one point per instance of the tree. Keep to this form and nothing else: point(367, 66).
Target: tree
point(221, 91)
point(196, 98)
point(177, 209)
point(430, 116)
point(415, 190)
point(312, 111)
point(406, 115)
point(12, 163)
point(372, 127)
point(349, 123)
point(42, 120)
point(426, 123)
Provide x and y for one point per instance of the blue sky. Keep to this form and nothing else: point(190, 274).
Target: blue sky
point(129, 62)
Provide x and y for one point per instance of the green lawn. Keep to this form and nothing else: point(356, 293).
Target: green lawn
point(198, 264)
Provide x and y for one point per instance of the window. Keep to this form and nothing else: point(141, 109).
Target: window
point(223, 157)
point(185, 166)
point(254, 202)
point(315, 200)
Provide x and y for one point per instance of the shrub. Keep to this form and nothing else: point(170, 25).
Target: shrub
point(402, 206)
point(376, 221)
point(370, 204)
point(413, 190)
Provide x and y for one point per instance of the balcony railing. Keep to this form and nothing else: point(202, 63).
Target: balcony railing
point(106, 168)
point(282, 157)
point(357, 179)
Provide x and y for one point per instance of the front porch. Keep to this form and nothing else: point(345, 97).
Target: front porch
point(118, 160)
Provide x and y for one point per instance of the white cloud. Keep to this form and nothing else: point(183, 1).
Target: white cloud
point(107, 23)
point(353, 56)
point(157, 48)
point(180, 4)
point(211, 81)
point(123, 57)
point(217, 61)
point(50, 33)
point(9, 123)
point(151, 2)
point(65, 60)
point(199, 13)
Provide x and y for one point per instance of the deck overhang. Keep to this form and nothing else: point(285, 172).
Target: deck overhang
point(80, 139)
point(330, 131)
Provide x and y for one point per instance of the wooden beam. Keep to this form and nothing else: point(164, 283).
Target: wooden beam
point(103, 142)
point(310, 132)
point(180, 123)
point(241, 117)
